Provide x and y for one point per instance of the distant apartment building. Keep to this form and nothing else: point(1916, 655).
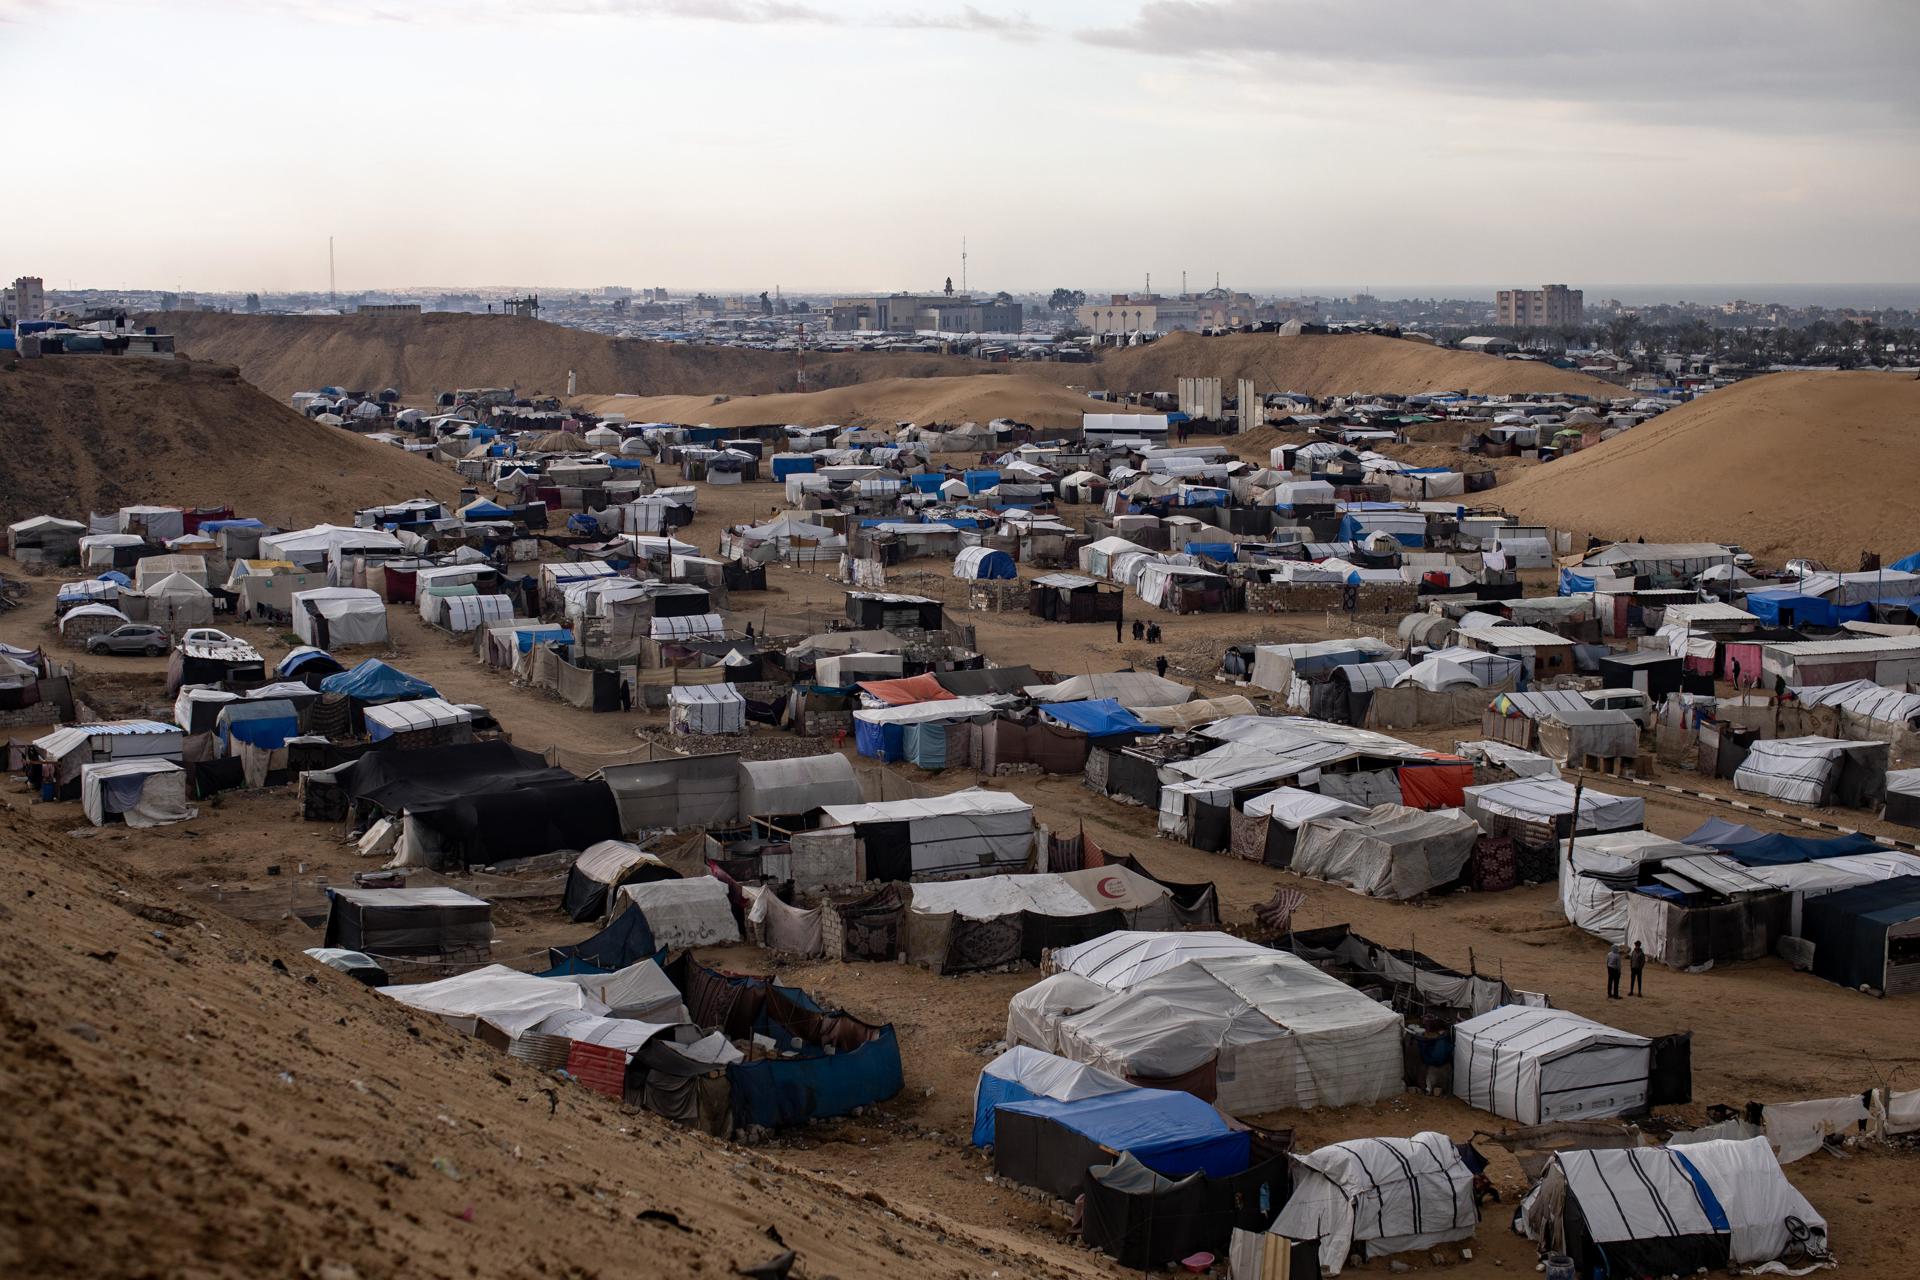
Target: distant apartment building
point(1547, 306)
point(915, 312)
point(1154, 313)
point(389, 308)
point(24, 299)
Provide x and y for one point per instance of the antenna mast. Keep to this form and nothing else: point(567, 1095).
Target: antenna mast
point(332, 299)
point(963, 264)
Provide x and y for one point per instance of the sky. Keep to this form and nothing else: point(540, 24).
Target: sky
point(854, 144)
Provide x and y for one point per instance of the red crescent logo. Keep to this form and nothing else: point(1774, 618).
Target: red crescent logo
point(1110, 887)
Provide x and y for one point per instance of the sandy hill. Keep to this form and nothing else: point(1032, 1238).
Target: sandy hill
point(1816, 464)
point(423, 355)
point(187, 1096)
point(84, 433)
point(1330, 364)
point(979, 397)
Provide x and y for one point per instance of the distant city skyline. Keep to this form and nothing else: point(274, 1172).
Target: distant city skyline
point(860, 141)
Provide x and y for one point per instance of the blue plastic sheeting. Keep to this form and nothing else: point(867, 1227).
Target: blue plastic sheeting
point(1213, 550)
point(571, 968)
point(925, 744)
point(266, 724)
point(300, 659)
point(481, 509)
point(978, 481)
point(1204, 497)
point(1098, 717)
point(1572, 583)
point(1758, 849)
point(784, 467)
point(1780, 608)
point(1709, 1202)
point(1910, 564)
point(1660, 891)
point(244, 522)
point(1351, 530)
point(375, 681)
point(883, 742)
point(1171, 1133)
point(780, 1092)
point(525, 640)
point(116, 577)
point(927, 481)
point(995, 564)
point(628, 940)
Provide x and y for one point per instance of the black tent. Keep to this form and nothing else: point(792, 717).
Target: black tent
point(1867, 936)
point(399, 922)
point(626, 941)
point(1143, 1219)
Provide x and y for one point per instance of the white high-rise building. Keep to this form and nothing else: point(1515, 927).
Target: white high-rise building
point(25, 299)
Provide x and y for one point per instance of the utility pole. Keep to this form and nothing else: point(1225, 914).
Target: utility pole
point(332, 297)
point(963, 264)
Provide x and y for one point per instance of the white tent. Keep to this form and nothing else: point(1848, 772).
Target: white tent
point(685, 913)
point(1131, 689)
point(962, 833)
point(1535, 1066)
point(1125, 958)
point(796, 784)
point(1545, 800)
point(1391, 851)
point(145, 793)
point(1591, 865)
point(1802, 770)
point(1383, 1195)
point(339, 617)
point(1272, 1030)
point(505, 998)
point(177, 602)
point(1671, 1209)
point(706, 708)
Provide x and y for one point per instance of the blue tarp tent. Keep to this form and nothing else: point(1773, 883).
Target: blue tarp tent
point(265, 723)
point(925, 744)
point(1761, 849)
point(527, 637)
point(981, 563)
point(1780, 607)
point(780, 1092)
point(375, 681)
point(1848, 929)
point(628, 940)
point(927, 481)
point(1097, 717)
point(884, 742)
point(1213, 550)
point(1170, 1132)
point(980, 481)
point(307, 659)
point(481, 509)
point(1910, 564)
point(1572, 583)
point(243, 522)
point(791, 464)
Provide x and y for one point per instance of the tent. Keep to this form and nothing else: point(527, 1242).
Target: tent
point(1121, 960)
point(1597, 872)
point(1867, 936)
point(145, 793)
point(1390, 851)
point(601, 870)
point(1380, 1196)
point(1537, 1066)
point(694, 912)
point(70, 747)
point(262, 723)
point(991, 921)
point(1254, 1033)
point(407, 921)
point(373, 681)
point(339, 617)
point(706, 709)
point(676, 791)
point(1284, 810)
point(1050, 1143)
point(177, 602)
point(420, 721)
point(1134, 690)
point(979, 563)
point(1815, 771)
point(1638, 1211)
point(796, 785)
point(960, 834)
point(1022, 1073)
point(1550, 801)
point(1097, 718)
point(1570, 736)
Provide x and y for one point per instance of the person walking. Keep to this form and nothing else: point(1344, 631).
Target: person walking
point(1139, 629)
point(1119, 635)
point(1160, 665)
point(1613, 972)
point(1153, 633)
point(1635, 963)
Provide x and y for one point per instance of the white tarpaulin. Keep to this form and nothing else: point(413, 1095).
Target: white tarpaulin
point(693, 912)
point(1591, 902)
point(1390, 852)
point(1802, 770)
point(796, 784)
point(1275, 1031)
point(1126, 958)
point(970, 832)
point(352, 616)
point(145, 793)
point(1388, 1195)
point(506, 998)
point(1069, 893)
point(1549, 799)
point(1534, 1066)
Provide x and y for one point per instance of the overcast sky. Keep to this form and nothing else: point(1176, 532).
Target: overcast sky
point(826, 144)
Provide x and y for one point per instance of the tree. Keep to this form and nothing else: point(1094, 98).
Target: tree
point(1067, 299)
point(766, 304)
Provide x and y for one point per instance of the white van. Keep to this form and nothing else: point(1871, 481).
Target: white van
point(1637, 705)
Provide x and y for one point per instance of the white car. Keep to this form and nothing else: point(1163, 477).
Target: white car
point(1637, 705)
point(208, 635)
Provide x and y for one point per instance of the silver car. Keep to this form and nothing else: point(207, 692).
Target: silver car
point(134, 637)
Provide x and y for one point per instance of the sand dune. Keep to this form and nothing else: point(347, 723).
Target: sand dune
point(1328, 365)
point(1817, 464)
point(92, 433)
point(422, 355)
point(980, 398)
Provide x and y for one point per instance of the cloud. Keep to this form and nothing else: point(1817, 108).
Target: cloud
point(1743, 64)
point(745, 13)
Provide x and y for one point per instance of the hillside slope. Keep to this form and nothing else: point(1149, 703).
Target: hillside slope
point(423, 355)
point(980, 397)
point(1329, 365)
point(188, 1097)
point(1790, 464)
point(92, 433)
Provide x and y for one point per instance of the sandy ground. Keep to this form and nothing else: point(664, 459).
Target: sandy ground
point(1836, 1041)
point(1033, 398)
point(1791, 464)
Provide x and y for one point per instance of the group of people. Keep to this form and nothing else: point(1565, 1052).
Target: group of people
point(1636, 962)
point(1148, 632)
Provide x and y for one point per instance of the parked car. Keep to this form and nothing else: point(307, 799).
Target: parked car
point(1637, 705)
point(134, 637)
point(207, 635)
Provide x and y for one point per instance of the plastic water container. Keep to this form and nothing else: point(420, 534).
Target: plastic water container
point(1559, 1267)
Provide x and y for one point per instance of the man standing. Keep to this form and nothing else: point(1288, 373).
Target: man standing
point(1139, 630)
point(1613, 972)
point(1119, 635)
point(1636, 963)
point(1160, 665)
